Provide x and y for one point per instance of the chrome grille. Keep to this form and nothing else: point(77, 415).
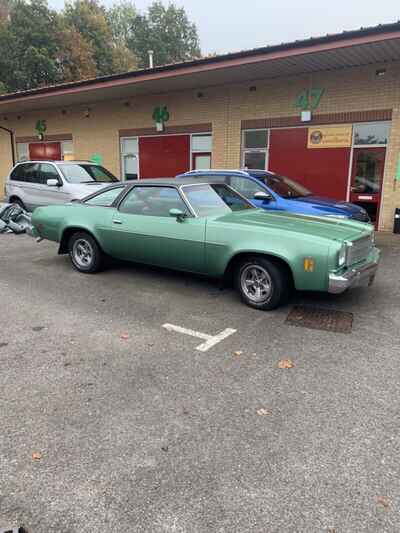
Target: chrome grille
point(359, 250)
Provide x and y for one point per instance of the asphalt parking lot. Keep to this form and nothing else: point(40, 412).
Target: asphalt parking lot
point(110, 422)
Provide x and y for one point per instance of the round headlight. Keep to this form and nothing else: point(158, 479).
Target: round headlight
point(342, 255)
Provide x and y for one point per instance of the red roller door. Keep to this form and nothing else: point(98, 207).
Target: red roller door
point(322, 170)
point(164, 156)
point(45, 151)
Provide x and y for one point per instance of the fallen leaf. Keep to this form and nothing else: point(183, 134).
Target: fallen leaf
point(383, 500)
point(36, 456)
point(286, 363)
point(125, 336)
point(237, 353)
point(264, 412)
point(331, 530)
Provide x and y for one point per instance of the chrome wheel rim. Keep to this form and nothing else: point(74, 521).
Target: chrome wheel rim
point(256, 283)
point(82, 253)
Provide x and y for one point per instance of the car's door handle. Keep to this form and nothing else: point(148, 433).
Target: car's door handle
point(116, 221)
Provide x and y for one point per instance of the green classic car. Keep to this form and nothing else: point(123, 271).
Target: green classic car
point(210, 229)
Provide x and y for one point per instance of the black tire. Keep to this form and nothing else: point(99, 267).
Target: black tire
point(266, 278)
point(85, 254)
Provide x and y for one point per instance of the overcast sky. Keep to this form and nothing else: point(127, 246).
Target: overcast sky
point(231, 25)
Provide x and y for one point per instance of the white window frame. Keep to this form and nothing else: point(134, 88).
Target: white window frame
point(67, 152)
point(26, 152)
point(245, 150)
point(193, 151)
point(123, 154)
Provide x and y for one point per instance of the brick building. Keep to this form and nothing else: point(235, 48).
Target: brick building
point(325, 111)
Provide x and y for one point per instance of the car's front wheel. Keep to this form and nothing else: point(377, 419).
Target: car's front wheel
point(85, 254)
point(262, 283)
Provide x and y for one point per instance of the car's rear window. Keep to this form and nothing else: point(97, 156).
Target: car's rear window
point(105, 198)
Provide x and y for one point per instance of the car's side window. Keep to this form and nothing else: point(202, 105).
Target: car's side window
point(152, 201)
point(47, 172)
point(246, 187)
point(106, 198)
point(29, 173)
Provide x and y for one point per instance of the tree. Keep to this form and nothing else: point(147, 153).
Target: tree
point(28, 46)
point(40, 47)
point(165, 30)
point(89, 19)
point(121, 17)
point(76, 56)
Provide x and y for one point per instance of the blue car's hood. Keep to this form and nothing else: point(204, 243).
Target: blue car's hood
point(327, 204)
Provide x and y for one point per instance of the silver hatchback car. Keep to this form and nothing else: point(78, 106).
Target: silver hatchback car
point(37, 183)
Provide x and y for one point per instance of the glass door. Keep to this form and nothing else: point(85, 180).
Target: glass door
point(366, 179)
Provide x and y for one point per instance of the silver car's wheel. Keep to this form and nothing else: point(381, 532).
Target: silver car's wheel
point(85, 253)
point(256, 283)
point(82, 252)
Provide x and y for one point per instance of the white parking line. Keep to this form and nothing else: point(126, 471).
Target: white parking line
point(211, 340)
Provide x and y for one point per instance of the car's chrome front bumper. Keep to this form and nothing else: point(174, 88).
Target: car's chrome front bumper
point(356, 276)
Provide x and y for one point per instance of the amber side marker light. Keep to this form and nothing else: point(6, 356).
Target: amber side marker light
point(309, 264)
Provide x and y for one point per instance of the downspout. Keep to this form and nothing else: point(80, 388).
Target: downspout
point(11, 133)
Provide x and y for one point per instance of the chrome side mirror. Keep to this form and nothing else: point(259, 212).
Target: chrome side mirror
point(178, 214)
point(262, 196)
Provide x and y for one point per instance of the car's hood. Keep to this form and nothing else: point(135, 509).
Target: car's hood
point(84, 189)
point(327, 204)
point(330, 228)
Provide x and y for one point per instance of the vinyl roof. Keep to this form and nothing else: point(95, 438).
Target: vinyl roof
point(330, 52)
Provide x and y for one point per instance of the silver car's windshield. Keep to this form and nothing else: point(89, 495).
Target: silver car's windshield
point(86, 173)
point(214, 199)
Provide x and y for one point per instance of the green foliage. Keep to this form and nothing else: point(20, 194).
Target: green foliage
point(39, 46)
point(165, 30)
point(121, 17)
point(89, 19)
point(28, 46)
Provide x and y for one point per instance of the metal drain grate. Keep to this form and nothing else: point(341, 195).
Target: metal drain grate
point(316, 318)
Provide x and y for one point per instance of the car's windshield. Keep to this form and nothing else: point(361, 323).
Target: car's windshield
point(284, 187)
point(86, 173)
point(214, 199)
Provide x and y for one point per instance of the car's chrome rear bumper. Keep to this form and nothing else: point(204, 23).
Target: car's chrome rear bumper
point(354, 277)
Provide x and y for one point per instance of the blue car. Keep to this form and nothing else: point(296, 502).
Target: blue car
point(277, 193)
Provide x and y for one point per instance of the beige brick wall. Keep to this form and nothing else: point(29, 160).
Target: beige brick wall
point(356, 89)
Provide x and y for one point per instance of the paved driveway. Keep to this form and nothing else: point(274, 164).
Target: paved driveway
point(111, 423)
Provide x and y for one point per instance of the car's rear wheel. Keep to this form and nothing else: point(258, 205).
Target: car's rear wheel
point(85, 254)
point(262, 283)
